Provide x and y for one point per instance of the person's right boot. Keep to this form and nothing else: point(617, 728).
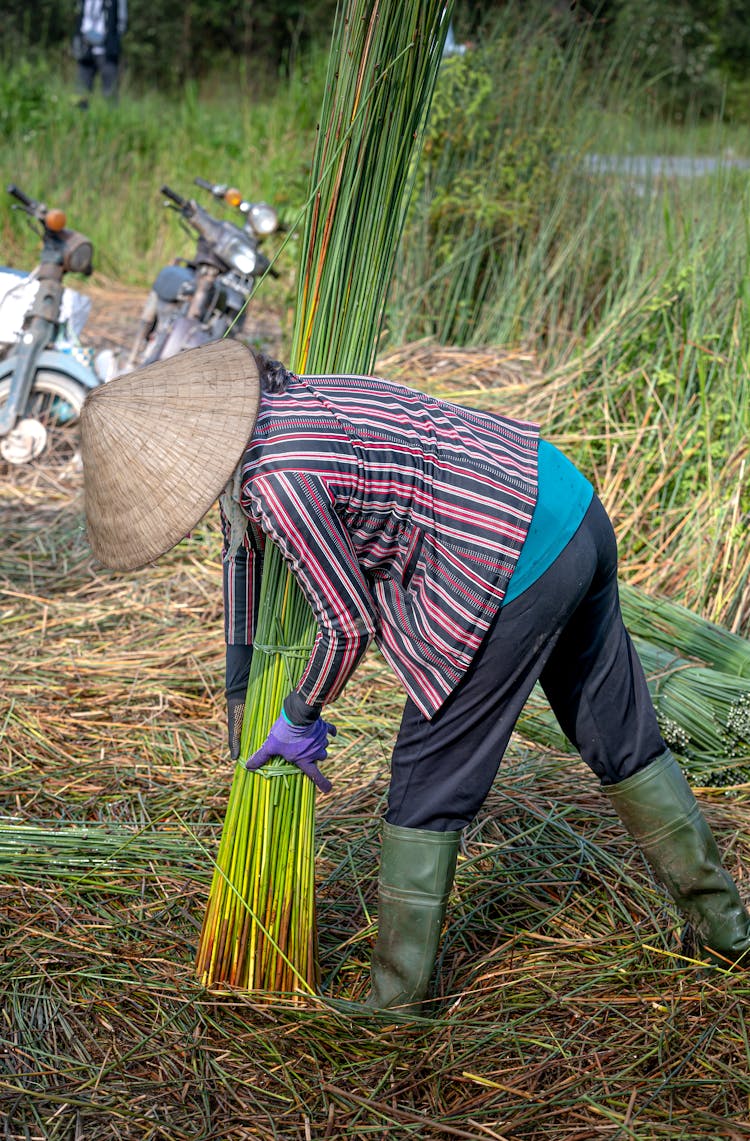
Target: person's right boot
point(658, 808)
point(416, 875)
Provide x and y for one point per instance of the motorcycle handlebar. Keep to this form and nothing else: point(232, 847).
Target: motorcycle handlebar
point(217, 189)
point(19, 194)
point(174, 197)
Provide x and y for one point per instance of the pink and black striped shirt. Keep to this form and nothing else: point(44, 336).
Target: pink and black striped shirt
point(401, 516)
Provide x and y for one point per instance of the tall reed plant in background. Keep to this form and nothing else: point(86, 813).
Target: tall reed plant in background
point(259, 929)
point(664, 376)
point(630, 287)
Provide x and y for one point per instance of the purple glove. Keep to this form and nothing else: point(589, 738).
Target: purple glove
point(302, 745)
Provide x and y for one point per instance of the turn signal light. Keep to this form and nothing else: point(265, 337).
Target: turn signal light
point(55, 220)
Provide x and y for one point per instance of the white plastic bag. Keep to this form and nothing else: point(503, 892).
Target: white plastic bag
point(18, 290)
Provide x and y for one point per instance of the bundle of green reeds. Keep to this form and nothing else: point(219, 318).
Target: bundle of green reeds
point(259, 928)
point(703, 713)
point(664, 623)
point(382, 73)
point(703, 705)
point(95, 857)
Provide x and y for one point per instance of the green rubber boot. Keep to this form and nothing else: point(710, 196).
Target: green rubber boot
point(416, 876)
point(658, 808)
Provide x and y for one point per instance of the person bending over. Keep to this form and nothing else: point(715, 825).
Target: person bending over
point(471, 550)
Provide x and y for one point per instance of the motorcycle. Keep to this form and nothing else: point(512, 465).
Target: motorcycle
point(206, 298)
point(45, 372)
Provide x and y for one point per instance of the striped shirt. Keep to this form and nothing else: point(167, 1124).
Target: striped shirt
point(401, 516)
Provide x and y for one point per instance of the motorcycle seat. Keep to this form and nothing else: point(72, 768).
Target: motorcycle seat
point(174, 282)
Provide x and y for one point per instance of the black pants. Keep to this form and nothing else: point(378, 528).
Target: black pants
point(565, 631)
point(107, 70)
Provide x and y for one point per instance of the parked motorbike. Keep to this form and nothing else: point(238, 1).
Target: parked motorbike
point(205, 298)
point(45, 372)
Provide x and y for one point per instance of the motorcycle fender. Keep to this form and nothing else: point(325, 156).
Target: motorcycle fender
point(236, 302)
point(21, 366)
point(52, 360)
point(56, 362)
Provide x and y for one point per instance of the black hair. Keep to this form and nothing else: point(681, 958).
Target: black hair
point(274, 377)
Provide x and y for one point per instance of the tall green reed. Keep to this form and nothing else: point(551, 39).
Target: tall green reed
point(260, 927)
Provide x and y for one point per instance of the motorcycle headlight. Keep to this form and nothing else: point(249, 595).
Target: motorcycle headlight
point(77, 253)
point(263, 218)
point(239, 255)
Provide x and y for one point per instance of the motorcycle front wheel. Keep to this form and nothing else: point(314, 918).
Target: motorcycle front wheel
point(47, 433)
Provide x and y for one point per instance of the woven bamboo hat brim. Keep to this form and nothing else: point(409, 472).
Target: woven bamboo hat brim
point(158, 446)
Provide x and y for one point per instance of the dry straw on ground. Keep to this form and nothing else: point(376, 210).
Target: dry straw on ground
point(564, 1007)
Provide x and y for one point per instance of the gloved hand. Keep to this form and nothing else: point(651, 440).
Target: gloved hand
point(235, 714)
point(302, 745)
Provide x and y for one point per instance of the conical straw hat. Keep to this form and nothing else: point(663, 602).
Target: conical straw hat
point(158, 446)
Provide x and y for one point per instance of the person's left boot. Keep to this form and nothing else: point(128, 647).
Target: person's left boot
point(416, 874)
point(660, 811)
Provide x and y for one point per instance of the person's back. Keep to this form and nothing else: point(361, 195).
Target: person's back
point(434, 500)
point(379, 445)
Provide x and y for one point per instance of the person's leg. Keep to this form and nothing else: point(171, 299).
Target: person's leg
point(659, 809)
point(443, 769)
point(598, 691)
point(108, 71)
point(593, 678)
point(416, 876)
point(85, 72)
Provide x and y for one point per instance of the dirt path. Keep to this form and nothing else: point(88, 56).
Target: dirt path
point(115, 312)
point(113, 320)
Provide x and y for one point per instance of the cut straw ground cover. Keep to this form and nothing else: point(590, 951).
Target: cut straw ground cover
point(564, 1006)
